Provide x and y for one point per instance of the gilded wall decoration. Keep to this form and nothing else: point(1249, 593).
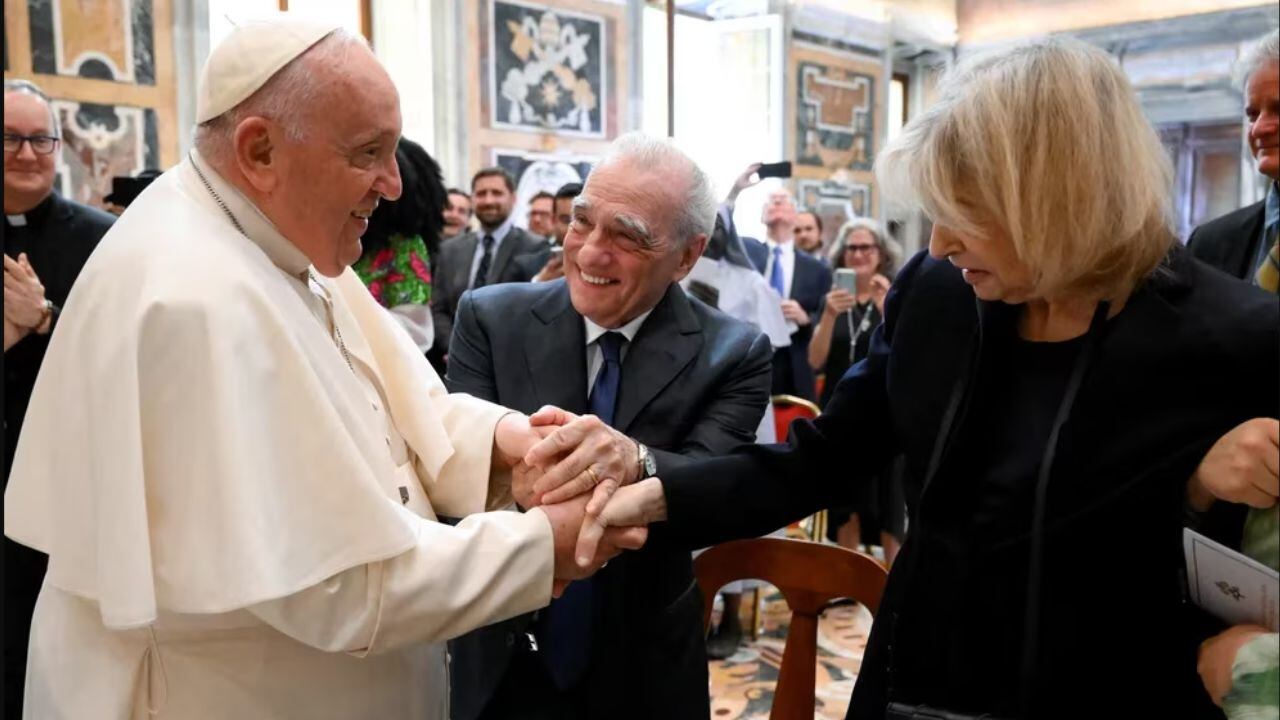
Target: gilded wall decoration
point(101, 40)
point(835, 117)
point(100, 142)
point(547, 69)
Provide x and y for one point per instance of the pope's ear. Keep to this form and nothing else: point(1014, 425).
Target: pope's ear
point(256, 153)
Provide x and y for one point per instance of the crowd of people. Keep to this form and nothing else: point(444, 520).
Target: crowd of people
point(303, 417)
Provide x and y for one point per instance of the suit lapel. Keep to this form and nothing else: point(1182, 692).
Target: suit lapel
point(515, 237)
point(799, 277)
point(461, 269)
point(758, 252)
point(1243, 253)
point(555, 344)
point(668, 341)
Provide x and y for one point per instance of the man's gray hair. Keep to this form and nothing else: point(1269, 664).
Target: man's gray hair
point(698, 214)
point(288, 98)
point(1257, 55)
point(26, 87)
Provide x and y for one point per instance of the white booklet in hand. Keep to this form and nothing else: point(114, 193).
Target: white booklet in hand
point(1231, 586)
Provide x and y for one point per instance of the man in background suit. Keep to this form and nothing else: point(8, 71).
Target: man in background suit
point(457, 213)
point(483, 257)
point(617, 338)
point(1237, 242)
point(799, 279)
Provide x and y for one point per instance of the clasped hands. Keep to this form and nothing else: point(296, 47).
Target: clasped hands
point(25, 310)
point(569, 467)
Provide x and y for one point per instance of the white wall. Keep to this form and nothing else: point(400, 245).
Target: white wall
point(728, 95)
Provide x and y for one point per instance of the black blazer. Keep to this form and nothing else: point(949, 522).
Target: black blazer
point(451, 274)
point(695, 383)
point(1230, 243)
point(1191, 355)
point(809, 285)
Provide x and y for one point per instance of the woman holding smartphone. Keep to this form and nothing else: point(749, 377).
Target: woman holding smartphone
point(865, 260)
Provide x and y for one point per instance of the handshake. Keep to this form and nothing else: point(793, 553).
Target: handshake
point(573, 468)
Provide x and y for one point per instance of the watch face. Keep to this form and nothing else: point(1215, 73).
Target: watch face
point(650, 466)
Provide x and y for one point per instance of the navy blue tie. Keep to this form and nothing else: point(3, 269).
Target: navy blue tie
point(775, 274)
point(566, 635)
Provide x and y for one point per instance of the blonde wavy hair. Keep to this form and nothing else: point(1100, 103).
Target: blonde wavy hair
point(1045, 143)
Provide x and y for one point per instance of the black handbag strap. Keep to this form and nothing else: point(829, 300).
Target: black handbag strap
point(1031, 620)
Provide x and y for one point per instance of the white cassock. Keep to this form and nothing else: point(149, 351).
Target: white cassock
point(239, 524)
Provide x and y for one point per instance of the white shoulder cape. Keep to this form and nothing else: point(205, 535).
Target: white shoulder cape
point(196, 443)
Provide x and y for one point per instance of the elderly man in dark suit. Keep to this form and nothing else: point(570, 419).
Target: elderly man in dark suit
point(483, 257)
point(616, 338)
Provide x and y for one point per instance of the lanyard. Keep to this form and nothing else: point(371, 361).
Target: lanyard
point(864, 324)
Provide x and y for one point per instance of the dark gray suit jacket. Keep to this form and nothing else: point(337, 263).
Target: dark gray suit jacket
point(1230, 243)
point(451, 274)
point(695, 383)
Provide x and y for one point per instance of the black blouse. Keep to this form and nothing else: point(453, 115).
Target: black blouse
point(857, 323)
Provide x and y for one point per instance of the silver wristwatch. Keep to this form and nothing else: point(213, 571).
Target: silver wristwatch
point(645, 462)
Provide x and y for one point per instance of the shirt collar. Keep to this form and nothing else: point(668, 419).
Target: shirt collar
point(628, 331)
point(1273, 206)
point(500, 233)
point(257, 227)
point(787, 247)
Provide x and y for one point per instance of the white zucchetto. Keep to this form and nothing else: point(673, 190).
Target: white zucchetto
point(247, 58)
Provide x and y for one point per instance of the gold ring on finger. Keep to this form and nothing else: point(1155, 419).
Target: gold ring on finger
point(595, 479)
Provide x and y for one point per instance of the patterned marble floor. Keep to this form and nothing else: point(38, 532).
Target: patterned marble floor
point(742, 686)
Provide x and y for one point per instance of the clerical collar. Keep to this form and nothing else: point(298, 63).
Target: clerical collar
point(34, 216)
point(256, 226)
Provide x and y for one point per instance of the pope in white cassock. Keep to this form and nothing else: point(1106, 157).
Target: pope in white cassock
point(234, 457)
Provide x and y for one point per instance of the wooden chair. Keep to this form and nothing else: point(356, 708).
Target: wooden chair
point(809, 575)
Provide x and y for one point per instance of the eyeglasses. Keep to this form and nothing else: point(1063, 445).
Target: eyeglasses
point(40, 144)
point(860, 248)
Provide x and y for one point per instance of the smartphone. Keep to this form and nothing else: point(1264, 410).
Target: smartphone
point(778, 170)
point(847, 278)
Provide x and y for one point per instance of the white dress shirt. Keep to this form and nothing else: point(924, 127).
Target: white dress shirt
point(595, 358)
point(788, 259)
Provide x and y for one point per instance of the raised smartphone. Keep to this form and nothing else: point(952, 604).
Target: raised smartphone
point(847, 278)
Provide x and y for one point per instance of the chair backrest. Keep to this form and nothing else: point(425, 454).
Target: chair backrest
point(787, 408)
point(809, 575)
